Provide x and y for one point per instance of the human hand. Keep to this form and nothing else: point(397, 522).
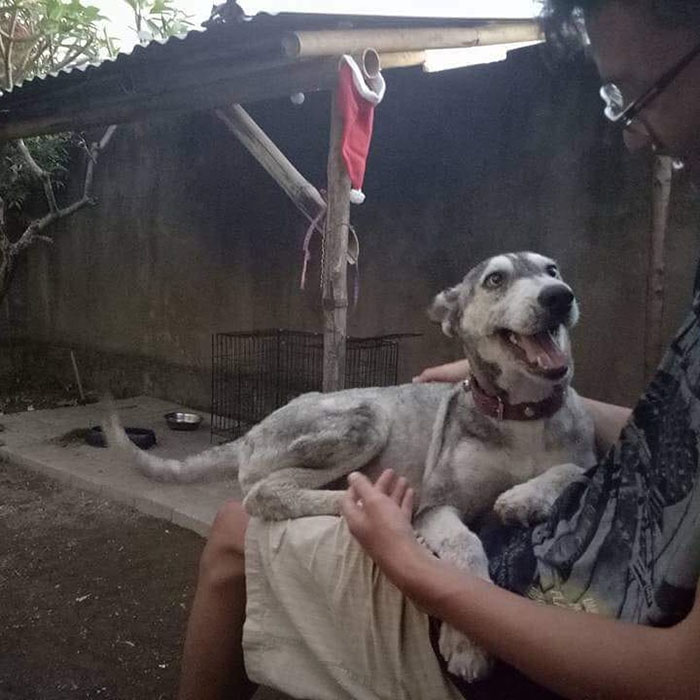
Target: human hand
point(379, 517)
point(450, 372)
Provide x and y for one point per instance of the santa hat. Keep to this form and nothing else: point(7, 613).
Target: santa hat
point(357, 97)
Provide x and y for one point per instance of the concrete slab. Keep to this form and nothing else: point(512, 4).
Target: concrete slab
point(33, 439)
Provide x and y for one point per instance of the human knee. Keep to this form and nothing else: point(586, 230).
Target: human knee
point(222, 562)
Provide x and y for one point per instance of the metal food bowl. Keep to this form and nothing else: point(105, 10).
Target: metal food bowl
point(180, 420)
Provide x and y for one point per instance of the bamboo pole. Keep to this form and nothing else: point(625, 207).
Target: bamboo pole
point(337, 42)
point(334, 258)
point(372, 62)
point(661, 195)
point(304, 195)
point(368, 62)
point(401, 59)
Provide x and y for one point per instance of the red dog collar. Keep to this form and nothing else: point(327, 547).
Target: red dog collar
point(496, 407)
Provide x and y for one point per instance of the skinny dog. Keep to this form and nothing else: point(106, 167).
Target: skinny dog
point(510, 438)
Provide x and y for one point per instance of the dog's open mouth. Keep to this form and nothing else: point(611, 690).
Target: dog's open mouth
point(541, 352)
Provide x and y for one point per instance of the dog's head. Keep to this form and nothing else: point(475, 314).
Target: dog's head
point(512, 313)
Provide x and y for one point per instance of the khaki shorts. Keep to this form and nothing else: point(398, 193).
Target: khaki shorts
point(323, 623)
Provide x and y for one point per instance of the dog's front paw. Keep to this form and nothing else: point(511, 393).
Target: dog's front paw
point(523, 505)
point(464, 658)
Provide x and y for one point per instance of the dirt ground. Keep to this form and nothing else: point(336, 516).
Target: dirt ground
point(93, 595)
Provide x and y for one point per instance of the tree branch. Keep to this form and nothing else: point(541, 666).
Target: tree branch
point(40, 173)
point(32, 52)
point(73, 55)
point(19, 39)
point(2, 48)
point(33, 231)
point(8, 54)
point(95, 149)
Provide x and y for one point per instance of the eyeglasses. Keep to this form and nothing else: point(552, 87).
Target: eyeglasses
point(615, 109)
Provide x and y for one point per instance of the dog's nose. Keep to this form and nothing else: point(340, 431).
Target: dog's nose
point(556, 298)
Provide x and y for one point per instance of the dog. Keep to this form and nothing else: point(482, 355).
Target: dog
point(511, 438)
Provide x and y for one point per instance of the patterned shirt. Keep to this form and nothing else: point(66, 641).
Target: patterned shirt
point(623, 541)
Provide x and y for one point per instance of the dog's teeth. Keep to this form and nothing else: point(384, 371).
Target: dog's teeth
point(513, 338)
point(554, 335)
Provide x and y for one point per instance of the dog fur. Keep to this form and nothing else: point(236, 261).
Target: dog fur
point(461, 462)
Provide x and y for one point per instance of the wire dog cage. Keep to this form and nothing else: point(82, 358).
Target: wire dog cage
point(253, 373)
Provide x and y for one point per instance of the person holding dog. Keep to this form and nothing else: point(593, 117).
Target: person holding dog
point(624, 545)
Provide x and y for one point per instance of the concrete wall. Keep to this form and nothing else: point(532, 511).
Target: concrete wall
point(191, 237)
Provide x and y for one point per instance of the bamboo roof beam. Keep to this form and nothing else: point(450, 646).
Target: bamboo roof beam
point(401, 59)
point(307, 44)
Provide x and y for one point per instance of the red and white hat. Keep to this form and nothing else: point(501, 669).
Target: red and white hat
point(357, 97)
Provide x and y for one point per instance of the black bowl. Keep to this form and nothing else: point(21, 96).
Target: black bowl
point(141, 437)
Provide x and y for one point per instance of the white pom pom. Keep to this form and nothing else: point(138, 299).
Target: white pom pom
point(356, 197)
point(297, 98)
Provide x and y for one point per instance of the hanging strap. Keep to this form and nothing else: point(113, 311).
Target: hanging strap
point(352, 256)
point(313, 226)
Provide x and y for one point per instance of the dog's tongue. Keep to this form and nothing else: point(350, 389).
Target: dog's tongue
point(542, 350)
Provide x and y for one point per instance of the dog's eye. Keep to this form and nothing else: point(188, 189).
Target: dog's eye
point(494, 280)
point(552, 271)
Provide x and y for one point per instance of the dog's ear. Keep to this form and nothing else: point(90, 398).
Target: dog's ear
point(445, 310)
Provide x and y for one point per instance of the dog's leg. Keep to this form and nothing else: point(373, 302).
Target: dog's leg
point(329, 446)
point(280, 496)
point(532, 501)
point(445, 534)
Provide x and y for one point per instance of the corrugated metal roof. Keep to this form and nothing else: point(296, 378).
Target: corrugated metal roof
point(88, 65)
point(175, 47)
point(229, 61)
point(246, 31)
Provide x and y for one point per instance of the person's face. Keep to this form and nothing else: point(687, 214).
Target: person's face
point(633, 51)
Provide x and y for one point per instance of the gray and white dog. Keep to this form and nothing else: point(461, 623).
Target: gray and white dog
point(511, 438)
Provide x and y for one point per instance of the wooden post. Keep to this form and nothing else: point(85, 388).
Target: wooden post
point(661, 195)
point(334, 264)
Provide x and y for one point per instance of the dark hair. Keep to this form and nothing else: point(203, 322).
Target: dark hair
point(563, 19)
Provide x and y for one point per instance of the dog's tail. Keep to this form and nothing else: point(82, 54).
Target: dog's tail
point(218, 461)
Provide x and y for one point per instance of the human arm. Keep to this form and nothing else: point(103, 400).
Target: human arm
point(608, 421)
point(576, 654)
point(450, 372)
